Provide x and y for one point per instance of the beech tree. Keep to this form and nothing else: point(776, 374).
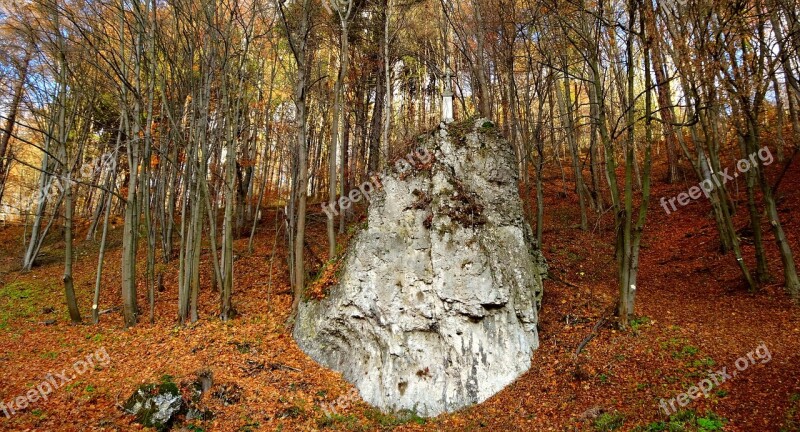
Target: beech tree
point(201, 123)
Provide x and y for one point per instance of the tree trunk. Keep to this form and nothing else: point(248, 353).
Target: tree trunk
point(11, 120)
point(338, 107)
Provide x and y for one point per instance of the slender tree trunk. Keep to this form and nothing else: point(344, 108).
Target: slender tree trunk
point(63, 133)
point(387, 78)
point(11, 120)
point(101, 254)
point(344, 167)
point(664, 97)
point(484, 101)
point(625, 222)
point(335, 131)
point(762, 270)
point(69, 290)
point(780, 142)
point(564, 97)
point(299, 45)
point(129, 239)
point(374, 131)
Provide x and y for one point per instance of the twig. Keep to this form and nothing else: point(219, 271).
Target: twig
point(117, 404)
point(274, 366)
point(552, 275)
point(594, 333)
point(558, 279)
point(589, 337)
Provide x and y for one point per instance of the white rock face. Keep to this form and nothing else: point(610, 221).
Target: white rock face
point(436, 303)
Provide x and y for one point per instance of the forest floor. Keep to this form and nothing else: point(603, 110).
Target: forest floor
point(695, 315)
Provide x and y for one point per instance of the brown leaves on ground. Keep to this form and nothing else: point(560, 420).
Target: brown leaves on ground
point(695, 316)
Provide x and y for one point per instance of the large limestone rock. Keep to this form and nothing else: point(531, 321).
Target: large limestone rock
point(436, 303)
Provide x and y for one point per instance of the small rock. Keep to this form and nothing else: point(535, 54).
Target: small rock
point(591, 413)
point(199, 414)
point(155, 405)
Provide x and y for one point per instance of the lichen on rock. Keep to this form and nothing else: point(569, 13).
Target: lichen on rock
point(436, 304)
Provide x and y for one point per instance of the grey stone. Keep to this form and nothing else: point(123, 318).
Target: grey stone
point(155, 405)
point(437, 301)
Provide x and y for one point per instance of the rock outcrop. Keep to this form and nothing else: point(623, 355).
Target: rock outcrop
point(435, 306)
